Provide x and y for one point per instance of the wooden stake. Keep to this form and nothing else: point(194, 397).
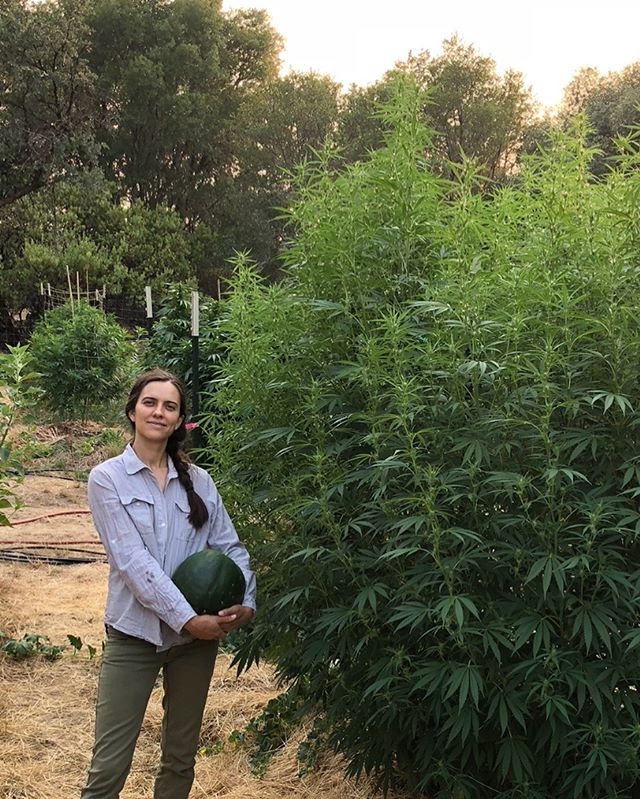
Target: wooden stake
point(70, 291)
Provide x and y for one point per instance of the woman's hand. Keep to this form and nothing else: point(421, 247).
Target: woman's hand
point(215, 628)
point(234, 617)
point(206, 627)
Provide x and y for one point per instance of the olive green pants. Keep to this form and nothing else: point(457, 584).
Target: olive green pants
point(129, 670)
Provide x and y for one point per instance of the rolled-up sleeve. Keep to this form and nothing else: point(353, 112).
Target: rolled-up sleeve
point(130, 558)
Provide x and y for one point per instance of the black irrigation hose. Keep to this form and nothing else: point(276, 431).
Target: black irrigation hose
point(53, 545)
point(46, 473)
point(18, 555)
point(23, 557)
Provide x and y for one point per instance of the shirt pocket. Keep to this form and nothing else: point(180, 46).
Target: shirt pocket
point(141, 512)
point(183, 529)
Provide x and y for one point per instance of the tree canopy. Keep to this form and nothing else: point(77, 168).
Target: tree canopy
point(476, 112)
point(172, 77)
point(48, 110)
point(611, 104)
point(170, 118)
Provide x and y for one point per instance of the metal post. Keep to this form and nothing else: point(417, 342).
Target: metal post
point(195, 371)
point(149, 307)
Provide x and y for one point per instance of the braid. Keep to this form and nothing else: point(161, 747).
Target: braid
point(199, 513)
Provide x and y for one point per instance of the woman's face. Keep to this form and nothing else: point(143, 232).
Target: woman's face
point(157, 412)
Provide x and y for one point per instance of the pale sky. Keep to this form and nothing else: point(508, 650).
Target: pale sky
point(356, 41)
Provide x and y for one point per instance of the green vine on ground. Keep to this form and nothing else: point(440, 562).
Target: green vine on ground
point(35, 645)
point(30, 645)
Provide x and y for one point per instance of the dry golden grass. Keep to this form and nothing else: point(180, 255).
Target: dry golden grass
point(46, 709)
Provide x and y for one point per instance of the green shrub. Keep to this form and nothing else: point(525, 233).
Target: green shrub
point(85, 358)
point(429, 434)
point(169, 344)
point(17, 395)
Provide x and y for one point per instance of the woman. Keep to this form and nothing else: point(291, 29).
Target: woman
point(152, 509)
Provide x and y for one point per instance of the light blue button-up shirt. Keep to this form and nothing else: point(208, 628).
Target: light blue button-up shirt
point(147, 534)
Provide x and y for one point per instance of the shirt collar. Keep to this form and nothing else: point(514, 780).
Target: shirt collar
point(133, 464)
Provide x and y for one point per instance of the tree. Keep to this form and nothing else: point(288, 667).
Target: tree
point(360, 126)
point(76, 225)
point(611, 104)
point(586, 82)
point(171, 77)
point(475, 112)
point(286, 121)
point(251, 49)
point(47, 108)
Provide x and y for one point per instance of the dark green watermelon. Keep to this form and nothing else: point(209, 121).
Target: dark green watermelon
point(210, 581)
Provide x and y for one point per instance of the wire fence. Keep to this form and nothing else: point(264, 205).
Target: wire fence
point(17, 327)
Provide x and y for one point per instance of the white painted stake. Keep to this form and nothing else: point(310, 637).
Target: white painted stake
point(195, 313)
point(70, 291)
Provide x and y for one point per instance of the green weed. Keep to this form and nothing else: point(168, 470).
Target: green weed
point(428, 434)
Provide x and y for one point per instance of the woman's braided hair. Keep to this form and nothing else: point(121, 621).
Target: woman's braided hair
point(199, 513)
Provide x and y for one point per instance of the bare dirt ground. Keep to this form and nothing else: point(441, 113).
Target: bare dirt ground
point(46, 708)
